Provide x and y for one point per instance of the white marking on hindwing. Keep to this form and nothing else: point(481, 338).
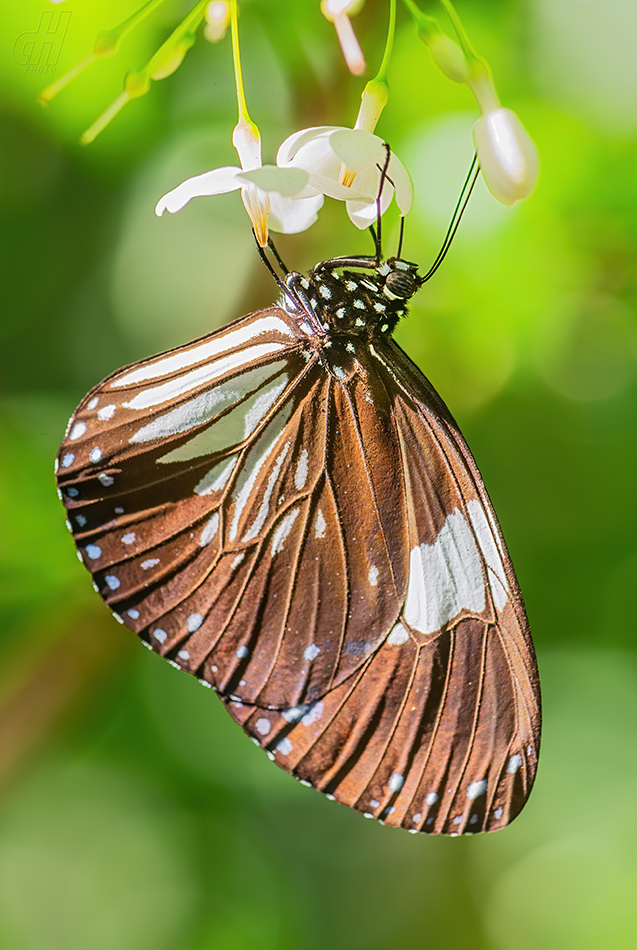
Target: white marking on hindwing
point(151, 562)
point(106, 412)
point(514, 762)
point(313, 715)
point(320, 525)
point(300, 476)
point(254, 462)
point(283, 531)
point(77, 431)
point(476, 789)
point(92, 404)
point(128, 538)
point(372, 576)
point(310, 653)
point(263, 726)
point(495, 568)
point(444, 577)
point(396, 782)
point(398, 635)
point(210, 530)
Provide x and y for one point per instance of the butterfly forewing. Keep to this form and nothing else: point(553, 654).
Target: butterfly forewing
point(305, 530)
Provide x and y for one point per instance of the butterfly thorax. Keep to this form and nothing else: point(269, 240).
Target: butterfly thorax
point(368, 303)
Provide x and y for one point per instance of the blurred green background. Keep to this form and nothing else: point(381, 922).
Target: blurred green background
point(133, 813)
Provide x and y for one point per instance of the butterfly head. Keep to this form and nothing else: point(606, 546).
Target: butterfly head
point(366, 302)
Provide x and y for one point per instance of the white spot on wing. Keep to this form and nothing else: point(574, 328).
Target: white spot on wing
point(431, 799)
point(237, 560)
point(444, 577)
point(396, 782)
point(320, 526)
point(300, 476)
point(128, 538)
point(183, 655)
point(68, 459)
point(105, 480)
point(93, 551)
point(241, 652)
point(283, 531)
point(263, 726)
point(106, 412)
point(112, 581)
point(194, 622)
point(398, 635)
point(77, 431)
point(476, 789)
point(372, 576)
point(209, 530)
point(92, 404)
point(151, 562)
point(514, 762)
point(284, 747)
point(310, 653)
point(160, 635)
point(313, 715)
point(133, 614)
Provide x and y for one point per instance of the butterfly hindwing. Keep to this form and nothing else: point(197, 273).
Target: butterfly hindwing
point(439, 729)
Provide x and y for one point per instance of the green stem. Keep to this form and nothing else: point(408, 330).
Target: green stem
point(381, 76)
point(472, 57)
point(244, 116)
point(426, 25)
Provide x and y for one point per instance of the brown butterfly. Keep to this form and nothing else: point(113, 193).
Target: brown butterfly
point(287, 510)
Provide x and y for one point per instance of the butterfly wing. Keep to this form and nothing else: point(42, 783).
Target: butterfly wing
point(268, 525)
point(438, 730)
point(224, 512)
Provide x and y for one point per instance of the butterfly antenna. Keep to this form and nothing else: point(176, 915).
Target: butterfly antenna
point(383, 176)
point(400, 239)
point(277, 256)
point(456, 217)
point(264, 258)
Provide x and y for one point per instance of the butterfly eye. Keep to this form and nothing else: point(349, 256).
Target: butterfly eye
point(400, 284)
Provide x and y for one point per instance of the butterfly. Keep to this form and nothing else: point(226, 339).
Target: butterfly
point(287, 510)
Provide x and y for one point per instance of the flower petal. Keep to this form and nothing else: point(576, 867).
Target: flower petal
point(358, 149)
point(507, 155)
point(291, 215)
point(402, 183)
point(333, 189)
point(285, 181)
point(215, 182)
point(364, 213)
point(292, 144)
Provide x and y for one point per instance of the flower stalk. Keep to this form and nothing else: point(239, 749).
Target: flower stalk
point(107, 44)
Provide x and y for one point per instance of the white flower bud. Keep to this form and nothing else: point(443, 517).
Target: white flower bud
point(508, 157)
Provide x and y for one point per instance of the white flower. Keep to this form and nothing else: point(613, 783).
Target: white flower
point(282, 201)
point(346, 164)
point(507, 155)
